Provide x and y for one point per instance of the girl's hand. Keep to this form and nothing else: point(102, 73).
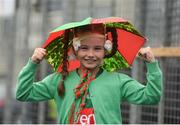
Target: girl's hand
point(146, 54)
point(38, 55)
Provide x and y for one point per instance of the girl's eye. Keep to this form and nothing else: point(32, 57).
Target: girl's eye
point(98, 48)
point(83, 47)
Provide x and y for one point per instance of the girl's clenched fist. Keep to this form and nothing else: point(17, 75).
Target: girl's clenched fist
point(38, 55)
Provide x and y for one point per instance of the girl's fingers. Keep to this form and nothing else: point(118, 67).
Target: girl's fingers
point(38, 55)
point(43, 51)
point(146, 54)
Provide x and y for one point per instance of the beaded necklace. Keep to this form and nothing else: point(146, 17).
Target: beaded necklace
point(80, 92)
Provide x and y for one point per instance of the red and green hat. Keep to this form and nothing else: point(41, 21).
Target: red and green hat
point(129, 41)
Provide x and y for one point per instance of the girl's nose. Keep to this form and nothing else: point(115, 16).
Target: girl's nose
point(90, 53)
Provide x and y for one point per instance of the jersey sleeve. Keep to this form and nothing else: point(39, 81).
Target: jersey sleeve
point(137, 93)
point(28, 90)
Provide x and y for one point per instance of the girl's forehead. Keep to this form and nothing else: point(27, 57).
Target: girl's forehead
point(95, 28)
point(88, 34)
point(92, 37)
point(93, 41)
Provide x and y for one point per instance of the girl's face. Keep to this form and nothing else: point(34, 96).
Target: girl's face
point(91, 52)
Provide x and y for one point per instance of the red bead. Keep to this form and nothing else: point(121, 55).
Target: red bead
point(83, 104)
point(78, 93)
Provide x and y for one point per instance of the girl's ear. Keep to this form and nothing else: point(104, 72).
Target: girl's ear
point(72, 54)
point(75, 52)
point(105, 52)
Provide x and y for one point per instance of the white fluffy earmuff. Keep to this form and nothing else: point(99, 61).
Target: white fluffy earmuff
point(108, 45)
point(76, 43)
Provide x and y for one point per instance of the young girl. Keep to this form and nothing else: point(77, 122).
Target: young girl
point(89, 94)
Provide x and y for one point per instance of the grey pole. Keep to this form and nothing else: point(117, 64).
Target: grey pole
point(73, 9)
point(161, 104)
point(91, 8)
point(113, 7)
point(22, 35)
point(9, 34)
point(43, 68)
point(135, 111)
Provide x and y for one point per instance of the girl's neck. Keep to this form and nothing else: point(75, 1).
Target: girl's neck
point(93, 71)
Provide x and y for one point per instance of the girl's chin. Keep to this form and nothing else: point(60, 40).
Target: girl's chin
point(90, 67)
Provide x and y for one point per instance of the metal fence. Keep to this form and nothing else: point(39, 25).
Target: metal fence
point(27, 26)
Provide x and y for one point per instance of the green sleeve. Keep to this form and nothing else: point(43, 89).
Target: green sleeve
point(28, 90)
point(136, 93)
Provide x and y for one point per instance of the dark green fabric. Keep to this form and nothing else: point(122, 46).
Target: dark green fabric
point(88, 102)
